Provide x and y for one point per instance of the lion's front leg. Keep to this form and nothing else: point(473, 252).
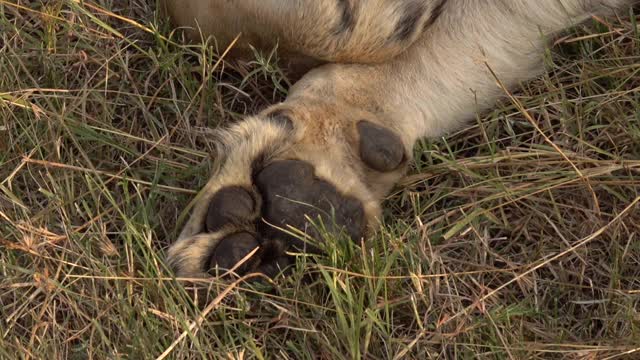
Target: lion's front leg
point(361, 31)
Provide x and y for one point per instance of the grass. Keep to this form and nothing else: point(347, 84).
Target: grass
point(506, 241)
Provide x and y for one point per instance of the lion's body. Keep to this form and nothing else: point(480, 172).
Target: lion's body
point(415, 67)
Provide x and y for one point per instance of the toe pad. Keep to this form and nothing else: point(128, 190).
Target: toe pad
point(231, 250)
point(230, 205)
point(380, 148)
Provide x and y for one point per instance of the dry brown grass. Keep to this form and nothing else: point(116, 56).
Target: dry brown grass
point(497, 245)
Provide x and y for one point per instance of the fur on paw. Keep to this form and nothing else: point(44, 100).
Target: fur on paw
point(281, 172)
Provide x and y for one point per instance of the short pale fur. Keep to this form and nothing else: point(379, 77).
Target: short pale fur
point(419, 76)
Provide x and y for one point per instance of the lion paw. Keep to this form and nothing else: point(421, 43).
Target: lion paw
point(275, 182)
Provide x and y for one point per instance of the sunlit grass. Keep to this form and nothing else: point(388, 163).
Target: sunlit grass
point(506, 240)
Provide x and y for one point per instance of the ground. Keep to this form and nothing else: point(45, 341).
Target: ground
point(517, 237)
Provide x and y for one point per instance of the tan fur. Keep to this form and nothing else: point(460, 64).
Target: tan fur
point(311, 27)
point(424, 84)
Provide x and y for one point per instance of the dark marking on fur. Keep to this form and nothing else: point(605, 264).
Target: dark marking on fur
point(282, 118)
point(347, 21)
point(435, 13)
point(412, 13)
point(258, 163)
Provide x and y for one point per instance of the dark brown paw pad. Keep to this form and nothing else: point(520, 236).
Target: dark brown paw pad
point(290, 194)
point(380, 148)
point(231, 250)
point(232, 205)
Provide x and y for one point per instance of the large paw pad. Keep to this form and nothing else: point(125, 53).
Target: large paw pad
point(230, 206)
point(289, 194)
point(380, 148)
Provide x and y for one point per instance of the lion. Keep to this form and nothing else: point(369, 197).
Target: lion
point(379, 75)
